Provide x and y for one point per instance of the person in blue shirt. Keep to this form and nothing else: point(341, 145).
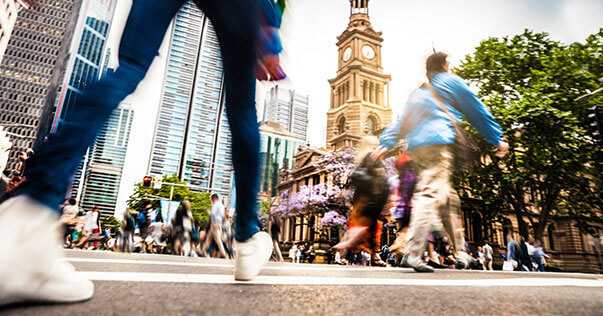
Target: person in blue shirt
point(430, 137)
point(249, 43)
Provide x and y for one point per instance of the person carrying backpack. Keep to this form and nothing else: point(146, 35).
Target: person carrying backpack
point(127, 231)
point(430, 122)
point(371, 192)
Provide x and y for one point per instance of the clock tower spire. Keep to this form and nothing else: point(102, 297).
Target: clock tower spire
point(360, 91)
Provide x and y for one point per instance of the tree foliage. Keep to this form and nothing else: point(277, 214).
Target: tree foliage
point(111, 222)
point(529, 82)
point(200, 202)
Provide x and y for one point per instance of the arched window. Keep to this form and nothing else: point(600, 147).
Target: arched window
point(551, 232)
point(507, 228)
point(371, 124)
point(341, 125)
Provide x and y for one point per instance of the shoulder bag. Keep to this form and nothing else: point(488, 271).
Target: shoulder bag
point(465, 151)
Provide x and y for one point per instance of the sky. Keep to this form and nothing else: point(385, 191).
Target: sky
point(410, 28)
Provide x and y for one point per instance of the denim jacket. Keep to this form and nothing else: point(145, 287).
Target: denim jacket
point(424, 122)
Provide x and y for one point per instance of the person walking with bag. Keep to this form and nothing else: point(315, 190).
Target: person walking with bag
point(430, 121)
point(215, 228)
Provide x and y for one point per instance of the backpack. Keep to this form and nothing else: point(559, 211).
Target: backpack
point(130, 223)
point(142, 219)
point(195, 234)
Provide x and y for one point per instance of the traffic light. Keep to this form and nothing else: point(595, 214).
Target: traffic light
point(146, 181)
point(596, 122)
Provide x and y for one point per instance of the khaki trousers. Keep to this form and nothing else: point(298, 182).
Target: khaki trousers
point(434, 198)
point(215, 233)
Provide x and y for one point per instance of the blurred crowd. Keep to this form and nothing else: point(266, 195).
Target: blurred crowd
point(146, 231)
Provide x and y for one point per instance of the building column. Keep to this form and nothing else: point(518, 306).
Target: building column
point(388, 94)
point(332, 96)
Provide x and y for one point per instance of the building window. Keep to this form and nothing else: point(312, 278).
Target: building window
point(371, 124)
point(551, 232)
point(341, 125)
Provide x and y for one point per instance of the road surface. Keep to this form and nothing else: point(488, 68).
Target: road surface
point(139, 284)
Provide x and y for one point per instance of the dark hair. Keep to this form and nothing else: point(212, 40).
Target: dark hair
point(72, 201)
point(435, 63)
point(215, 196)
point(485, 241)
point(159, 218)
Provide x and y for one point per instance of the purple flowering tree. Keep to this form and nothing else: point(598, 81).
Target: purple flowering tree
point(333, 219)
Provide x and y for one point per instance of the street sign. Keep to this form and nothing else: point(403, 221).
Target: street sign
point(157, 184)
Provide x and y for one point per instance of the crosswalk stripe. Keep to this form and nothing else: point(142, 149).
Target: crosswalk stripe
point(304, 280)
point(283, 266)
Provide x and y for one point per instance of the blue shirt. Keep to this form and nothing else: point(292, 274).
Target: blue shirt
point(424, 122)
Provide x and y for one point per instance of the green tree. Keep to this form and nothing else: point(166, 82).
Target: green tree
point(529, 82)
point(200, 202)
point(112, 222)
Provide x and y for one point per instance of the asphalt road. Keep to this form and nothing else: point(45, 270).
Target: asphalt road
point(137, 284)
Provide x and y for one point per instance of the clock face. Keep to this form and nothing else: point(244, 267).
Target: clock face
point(347, 53)
point(368, 52)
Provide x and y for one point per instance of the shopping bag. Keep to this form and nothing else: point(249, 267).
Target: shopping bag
point(507, 266)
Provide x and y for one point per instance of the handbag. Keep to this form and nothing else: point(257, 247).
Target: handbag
point(465, 151)
point(507, 266)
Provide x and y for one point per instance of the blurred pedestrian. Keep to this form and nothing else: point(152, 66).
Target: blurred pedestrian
point(404, 186)
point(69, 211)
point(539, 256)
point(430, 122)
point(514, 253)
point(156, 238)
point(275, 230)
point(215, 231)
point(298, 254)
point(249, 42)
point(526, 260)
point(195, 234)
point(293, 252)
point(127, 231)
point(488, 255)
point(311, 254)
point(227, 236)
point(371, 192)
point(91, 226)
point(181, 227)
point(143, 219)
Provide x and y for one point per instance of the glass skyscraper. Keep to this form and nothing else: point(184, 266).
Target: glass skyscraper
point(192, 138)
point(277, 151)
point(289, 109)
point(87, 52)
point(86, 57)
point(31, 71)
point(105, 165)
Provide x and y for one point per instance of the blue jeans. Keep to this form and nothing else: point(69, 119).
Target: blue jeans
point(540, 263)
point(236, 24)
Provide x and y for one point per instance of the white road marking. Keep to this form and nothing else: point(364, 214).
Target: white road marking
point(285, 266)
point(302, 280)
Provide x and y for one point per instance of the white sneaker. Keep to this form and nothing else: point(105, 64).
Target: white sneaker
point(30, 265)
point(251, 256)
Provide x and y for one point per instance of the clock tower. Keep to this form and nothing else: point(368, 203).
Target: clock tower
point(360, 91)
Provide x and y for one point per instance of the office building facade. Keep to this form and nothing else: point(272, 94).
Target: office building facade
point(105, 163)
point(277, 152)
point(8, 18)
point(31, 71)
point(192, 137)
point(289, 109)
point(86, 55)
